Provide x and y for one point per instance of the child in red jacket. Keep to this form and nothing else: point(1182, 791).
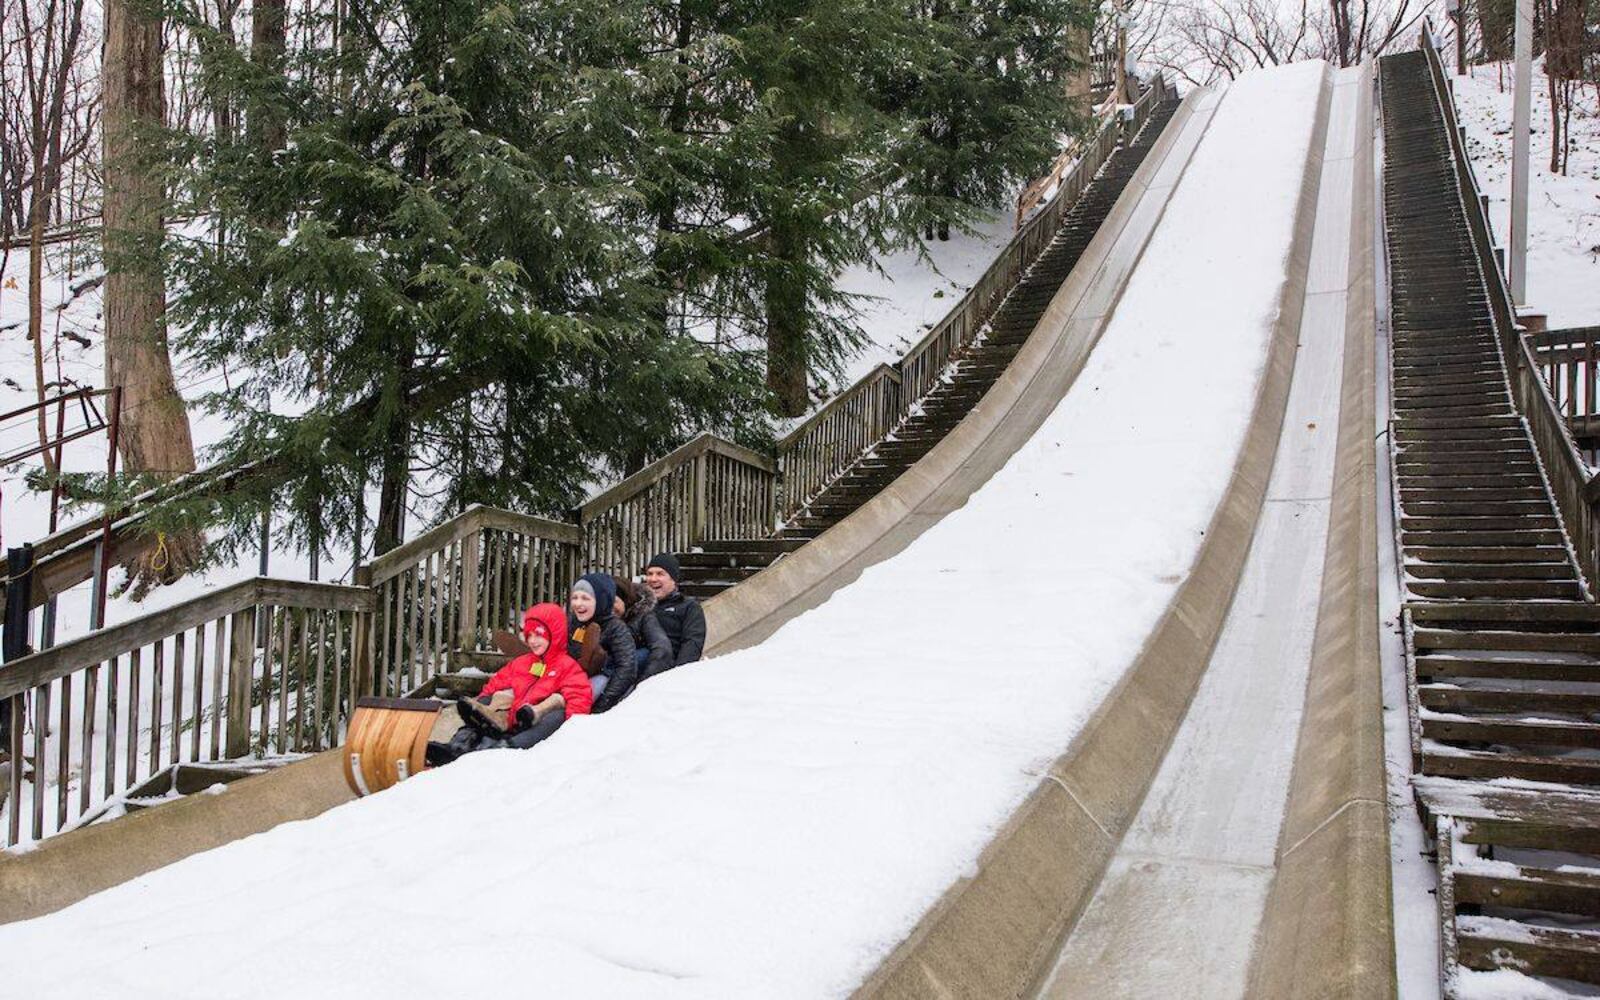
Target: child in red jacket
point(546, 685)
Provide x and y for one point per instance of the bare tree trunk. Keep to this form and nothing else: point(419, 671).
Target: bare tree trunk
point(1340, 9)
point(1556, 132)
point(155, 436)
point(36, 311)
point(1565, 59)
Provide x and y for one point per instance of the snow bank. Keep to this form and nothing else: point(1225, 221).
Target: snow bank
point(772, 822)
point(1563, 211)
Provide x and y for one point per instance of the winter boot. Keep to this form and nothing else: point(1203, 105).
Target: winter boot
point(464, 741)
point(480, 717)
point(526, 717)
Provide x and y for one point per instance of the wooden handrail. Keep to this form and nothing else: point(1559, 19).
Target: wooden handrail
point(883, 370)
point(468, 522)
point(815, 452)
point(58, 661)
point(663, 467)
point(1570, 477)
point(1111, 127)
point(1575, 336)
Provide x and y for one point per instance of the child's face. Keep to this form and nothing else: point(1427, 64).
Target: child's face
point(618, 608)
point(582, 605)
point(538, 645)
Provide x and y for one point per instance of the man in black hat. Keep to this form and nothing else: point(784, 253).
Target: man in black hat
point(679, 614)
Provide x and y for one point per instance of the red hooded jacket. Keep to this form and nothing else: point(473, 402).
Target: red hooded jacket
point(531, 681)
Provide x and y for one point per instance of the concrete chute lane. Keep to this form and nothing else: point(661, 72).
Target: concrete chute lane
point(1206, 841)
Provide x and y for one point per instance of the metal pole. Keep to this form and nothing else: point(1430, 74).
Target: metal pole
point(1521, 141)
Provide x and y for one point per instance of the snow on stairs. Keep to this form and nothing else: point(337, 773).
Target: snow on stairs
point(1505, 881)
point(1502, 645)
point(972, 375)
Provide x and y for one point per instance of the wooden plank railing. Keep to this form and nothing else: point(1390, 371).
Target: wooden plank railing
point(1038, 191)
point(451, 587)
point(835, 436)
point(1569, 476)
point(709, 489)
point(1568, 359)
point(814, 453)
point(260, 667)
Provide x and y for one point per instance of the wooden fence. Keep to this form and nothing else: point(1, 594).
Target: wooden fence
point(707, 490)
point(1568, 359)
point(261, 667)
point(451, 587)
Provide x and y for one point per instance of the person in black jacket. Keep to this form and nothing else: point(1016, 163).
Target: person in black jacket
point(636, 606)
point(679, 614)
point(599, 641)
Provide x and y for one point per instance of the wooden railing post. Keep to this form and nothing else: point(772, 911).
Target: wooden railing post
point(241, 674)
point(361, 624)
point(467, 625)
point(698, 515)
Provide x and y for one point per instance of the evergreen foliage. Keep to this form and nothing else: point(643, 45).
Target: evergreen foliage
point(510, 249)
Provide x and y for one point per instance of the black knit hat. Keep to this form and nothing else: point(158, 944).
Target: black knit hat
point(668, 562)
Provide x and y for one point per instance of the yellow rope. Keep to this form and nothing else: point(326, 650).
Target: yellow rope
point(162, 558)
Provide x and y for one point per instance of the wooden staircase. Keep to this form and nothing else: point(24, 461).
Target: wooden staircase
point(722, 564)
point(1502, 642)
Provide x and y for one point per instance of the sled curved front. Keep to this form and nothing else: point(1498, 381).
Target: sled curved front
point(387, 742)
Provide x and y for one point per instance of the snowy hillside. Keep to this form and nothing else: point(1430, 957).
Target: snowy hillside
point(1563, 211)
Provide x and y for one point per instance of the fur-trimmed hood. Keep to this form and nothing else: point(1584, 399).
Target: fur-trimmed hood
point(643, 605)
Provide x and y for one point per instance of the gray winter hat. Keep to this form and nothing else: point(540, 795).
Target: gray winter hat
point(583, 587)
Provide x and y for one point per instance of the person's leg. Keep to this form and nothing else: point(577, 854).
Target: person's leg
point(539, 731)
point(597, 684)
point(640, 658)
point(465, 740)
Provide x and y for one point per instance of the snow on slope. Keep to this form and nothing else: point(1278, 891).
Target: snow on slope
point(1563, 211)
point(905, 294)
point(772, 822)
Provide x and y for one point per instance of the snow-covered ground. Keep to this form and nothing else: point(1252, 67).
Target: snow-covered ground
point(1563, 211)
point(906, 294)
point(772, 822)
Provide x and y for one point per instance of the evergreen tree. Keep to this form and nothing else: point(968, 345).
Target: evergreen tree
point(454, 283)
point(988, 110)
point(502, 252)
